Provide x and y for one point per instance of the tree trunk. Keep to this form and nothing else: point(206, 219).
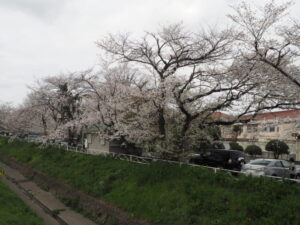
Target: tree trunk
point(184, 129)
point(276, 156)
point(71, 135)
point(161, 124)
point(44, 124)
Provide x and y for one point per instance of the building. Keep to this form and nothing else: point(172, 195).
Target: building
point(263, 127)
point(95, 143)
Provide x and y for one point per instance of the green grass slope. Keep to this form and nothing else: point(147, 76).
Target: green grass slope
point(168, 194)
point(13, 210)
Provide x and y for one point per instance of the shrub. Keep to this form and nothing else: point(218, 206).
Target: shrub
point(204, 145)
point(253, 150)
point(218, 145)
point(236, 146)
point(277, 147)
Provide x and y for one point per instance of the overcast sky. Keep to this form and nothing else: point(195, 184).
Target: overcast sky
point(39, 38)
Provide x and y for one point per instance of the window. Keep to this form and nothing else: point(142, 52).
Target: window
point(206, 154)
point(260, 162)
point(278, 164)
point(286, 164)
point(236, 154)
point(251, 128)
point(270, 128)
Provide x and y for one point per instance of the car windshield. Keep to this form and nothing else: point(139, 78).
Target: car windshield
point(206, 153)
point(261, 162)
point(286, 164)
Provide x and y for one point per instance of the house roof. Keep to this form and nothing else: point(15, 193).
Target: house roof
point(219, 116)
point(287, 114)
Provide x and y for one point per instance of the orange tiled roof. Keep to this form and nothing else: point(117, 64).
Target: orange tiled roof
point(219, 115)
point(274, 115)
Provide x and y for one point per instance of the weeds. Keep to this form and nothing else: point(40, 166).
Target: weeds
point(168, 194)
point(14, 211)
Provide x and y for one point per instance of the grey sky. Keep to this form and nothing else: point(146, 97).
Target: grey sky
point(45, 37)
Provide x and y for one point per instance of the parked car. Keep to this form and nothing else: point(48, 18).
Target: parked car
point(227, 159)
point(295, 174)
point(268, 167)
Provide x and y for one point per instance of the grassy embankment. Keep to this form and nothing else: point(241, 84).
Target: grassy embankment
point(13, 210)
point(168, 194)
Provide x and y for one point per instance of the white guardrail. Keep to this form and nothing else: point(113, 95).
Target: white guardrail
point(148, 160)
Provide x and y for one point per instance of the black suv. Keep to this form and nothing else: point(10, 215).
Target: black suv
point(227, 159)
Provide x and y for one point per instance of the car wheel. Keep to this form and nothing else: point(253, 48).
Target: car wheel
point(240, 165)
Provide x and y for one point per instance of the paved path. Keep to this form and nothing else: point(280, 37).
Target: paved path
point(42, 202)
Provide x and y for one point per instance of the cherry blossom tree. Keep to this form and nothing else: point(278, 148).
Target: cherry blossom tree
point(6, 111)
point(118, 104)
point(162, 89)
point(165, 54)
point(269, 35)
point(13, 120)
point(192, 74)
point(57, 100)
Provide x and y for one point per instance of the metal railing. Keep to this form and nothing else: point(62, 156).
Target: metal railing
point(148, 160)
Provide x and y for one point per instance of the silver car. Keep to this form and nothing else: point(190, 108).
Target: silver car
point(268, 167)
